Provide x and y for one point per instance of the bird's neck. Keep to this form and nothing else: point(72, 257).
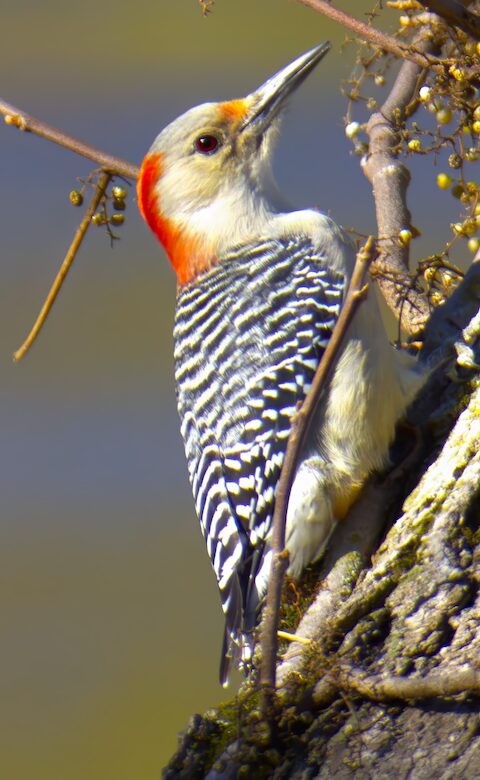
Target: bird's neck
point(195, 237)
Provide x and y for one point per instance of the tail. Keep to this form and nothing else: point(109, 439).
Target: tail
point(237, 651)
point(242, 604)
point(225, 660)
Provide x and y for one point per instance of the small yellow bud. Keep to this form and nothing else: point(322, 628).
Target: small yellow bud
point(474, 245)
point(424, 93)
point(444, 116)
point(16, 120)
point(415, 145)
point(457, 73)
point(98, 219)
point(119, 192)
point(379, 80)
point(117, 219)
point(352, 129)
point(469, 227)
point(436, 298)
point(119, 205)
point(405, 236)
point(476, 127)
point(405, 21)
point(472, 154)
point(476, 113)
point(443, 181)
point(476, 210)
point(76, 198)
point(457, 191)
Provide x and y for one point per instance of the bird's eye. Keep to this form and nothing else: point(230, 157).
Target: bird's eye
point(207, 144)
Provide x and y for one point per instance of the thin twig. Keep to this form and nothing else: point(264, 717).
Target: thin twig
point(456, 14)
point(102, 184)
point(269, 640)
point(115, 165)
point(289, 637)
point(374, 36)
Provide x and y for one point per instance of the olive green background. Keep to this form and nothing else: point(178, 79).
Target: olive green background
point(110, 625)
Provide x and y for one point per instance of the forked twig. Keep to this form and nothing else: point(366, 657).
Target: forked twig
point(269, 639)
point(101, 186)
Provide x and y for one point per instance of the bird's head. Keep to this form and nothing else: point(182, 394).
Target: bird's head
point(206, 181)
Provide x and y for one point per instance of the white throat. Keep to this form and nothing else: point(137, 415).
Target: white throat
point(236, 214)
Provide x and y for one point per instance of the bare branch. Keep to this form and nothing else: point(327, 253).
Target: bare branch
point(269, 640)
point(374, 36)
point(383, 688)
point(99, 193)
point(115, 165)
point(455, 13)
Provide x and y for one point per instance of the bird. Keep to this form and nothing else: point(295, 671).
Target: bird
point(260, 286)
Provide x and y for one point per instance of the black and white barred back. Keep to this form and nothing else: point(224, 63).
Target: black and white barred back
point(249, 334)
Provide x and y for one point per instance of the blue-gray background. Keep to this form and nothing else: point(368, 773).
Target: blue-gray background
point(109, 615)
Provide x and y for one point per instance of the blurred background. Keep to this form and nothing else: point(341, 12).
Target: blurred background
point(110, 619)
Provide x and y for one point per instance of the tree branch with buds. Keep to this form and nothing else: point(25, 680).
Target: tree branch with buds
point(390, 178)
point(377, 38)
point(111, 165)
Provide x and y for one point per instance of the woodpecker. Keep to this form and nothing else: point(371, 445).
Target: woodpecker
point(260, 287)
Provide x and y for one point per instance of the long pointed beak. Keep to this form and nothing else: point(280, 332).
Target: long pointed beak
point(267, 100)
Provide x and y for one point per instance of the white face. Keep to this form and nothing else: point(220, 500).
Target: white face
point(206, 151)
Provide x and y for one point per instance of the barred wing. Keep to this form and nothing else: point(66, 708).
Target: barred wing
point(249, 334)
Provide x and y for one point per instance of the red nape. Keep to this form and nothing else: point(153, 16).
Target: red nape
point(188, 253)
point(150, 172)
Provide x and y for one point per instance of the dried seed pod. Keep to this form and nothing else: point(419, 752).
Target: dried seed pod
point(454, 160)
